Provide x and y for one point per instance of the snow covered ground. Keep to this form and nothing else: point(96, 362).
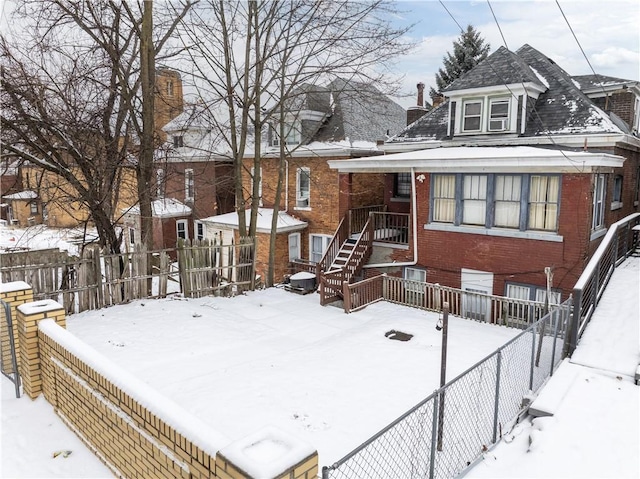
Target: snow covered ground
point(273, 357)
point(595, 428)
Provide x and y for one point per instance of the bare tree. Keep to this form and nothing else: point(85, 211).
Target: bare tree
point(249, 60)
point(72, 102)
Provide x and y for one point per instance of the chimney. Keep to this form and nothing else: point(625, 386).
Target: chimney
point(420, 94)
point(415, 112)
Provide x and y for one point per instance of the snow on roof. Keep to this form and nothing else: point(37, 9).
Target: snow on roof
point(22, 195)
point(286, 222)
point(164, 208)
point(483, 159)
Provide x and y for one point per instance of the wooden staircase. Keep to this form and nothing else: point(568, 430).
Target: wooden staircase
point(343, 261)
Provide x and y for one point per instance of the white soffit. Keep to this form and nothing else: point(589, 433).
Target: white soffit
point(482, 159)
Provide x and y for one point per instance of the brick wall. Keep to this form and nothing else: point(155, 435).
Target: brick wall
point(445, 253)
point(13, 293)
point(134, 430)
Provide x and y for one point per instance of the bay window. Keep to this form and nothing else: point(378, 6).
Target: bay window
point(508, 190)
point(444, 198)
point(543, 202)
point(474, 200)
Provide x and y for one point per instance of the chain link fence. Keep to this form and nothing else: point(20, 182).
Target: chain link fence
point(449, 430)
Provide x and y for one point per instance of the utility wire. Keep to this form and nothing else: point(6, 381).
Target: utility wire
point(452, 17)
point(498, 24)
point(583, 53)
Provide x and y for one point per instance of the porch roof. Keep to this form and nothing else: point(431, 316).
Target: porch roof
point(286, 222)
point(22, 195)
point(471, 159)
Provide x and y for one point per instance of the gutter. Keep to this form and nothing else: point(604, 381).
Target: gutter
point(414, 220)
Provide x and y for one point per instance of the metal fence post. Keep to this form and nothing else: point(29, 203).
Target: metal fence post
point(434, 434)
point(559, 313)
point(496, 404)
point(533, 354)
point(571, 341)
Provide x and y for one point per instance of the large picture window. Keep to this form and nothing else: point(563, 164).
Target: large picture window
point(522, 202)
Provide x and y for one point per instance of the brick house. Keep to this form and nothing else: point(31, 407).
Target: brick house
point(336, 122)
point(192, 170)
point(522, 168)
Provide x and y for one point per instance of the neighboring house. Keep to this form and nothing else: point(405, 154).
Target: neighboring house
point(335, 122)
point(171, 221)
point(59, 203)
point(193, 166)
point(22, 209)
point(522, 169)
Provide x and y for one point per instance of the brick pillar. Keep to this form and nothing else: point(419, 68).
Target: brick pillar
point(267, 454)
point(15, 293)
point(29, 314)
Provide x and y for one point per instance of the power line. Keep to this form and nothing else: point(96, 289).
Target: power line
point(452, 17)
point(582, 50)
point(498, 24)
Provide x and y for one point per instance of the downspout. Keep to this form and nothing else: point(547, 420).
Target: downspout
point(414, 219)
point(286, 185)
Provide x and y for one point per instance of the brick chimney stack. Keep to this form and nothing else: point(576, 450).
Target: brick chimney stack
point(415, 112)
point(420, 94)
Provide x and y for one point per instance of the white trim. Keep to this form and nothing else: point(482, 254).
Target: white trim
point(465, 159)
point(299, 236)
point(501, 232)
point(186, 229)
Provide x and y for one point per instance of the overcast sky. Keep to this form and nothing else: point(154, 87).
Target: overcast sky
point(608, 31)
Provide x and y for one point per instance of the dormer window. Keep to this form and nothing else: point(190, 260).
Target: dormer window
point(292, 134)
point(498, 114)
point(178, 141)
point(472, 120)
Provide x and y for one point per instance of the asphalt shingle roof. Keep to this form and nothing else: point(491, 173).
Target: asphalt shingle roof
point(562, 109)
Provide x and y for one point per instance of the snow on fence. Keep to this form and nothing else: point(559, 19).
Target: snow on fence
point(445, 433)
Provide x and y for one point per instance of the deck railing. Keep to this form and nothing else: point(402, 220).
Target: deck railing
point(391, 228)
point(619, 242)
point(428, 296)
point(357, 217)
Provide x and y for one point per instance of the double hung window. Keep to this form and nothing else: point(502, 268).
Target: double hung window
point(303, 186)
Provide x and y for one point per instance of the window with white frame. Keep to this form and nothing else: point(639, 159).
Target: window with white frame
point(444, 198)
point(523, 313)
point(499, 114)
point(543, 202)
point(292, 134)
point(303, 186)
point(414, 287)
point(472, 115)
point(178, 141)
point(522, 202)
point(474, 199)
point(189, 185)
point(508, 192)
point(160, 183)
point(402, 187)
point(295, 252)
point(33, 207)
point(200, 230)
point(317, 246)
point(599, 189)
point(182, 231)
point(616, 200)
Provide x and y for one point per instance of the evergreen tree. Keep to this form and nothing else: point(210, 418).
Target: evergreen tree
point(468, 50)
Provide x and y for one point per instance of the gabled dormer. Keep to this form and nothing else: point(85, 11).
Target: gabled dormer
point(492, 98)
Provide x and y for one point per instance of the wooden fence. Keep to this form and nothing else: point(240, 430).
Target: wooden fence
point(96, 280)
point(208, 268)
point(481, 307)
